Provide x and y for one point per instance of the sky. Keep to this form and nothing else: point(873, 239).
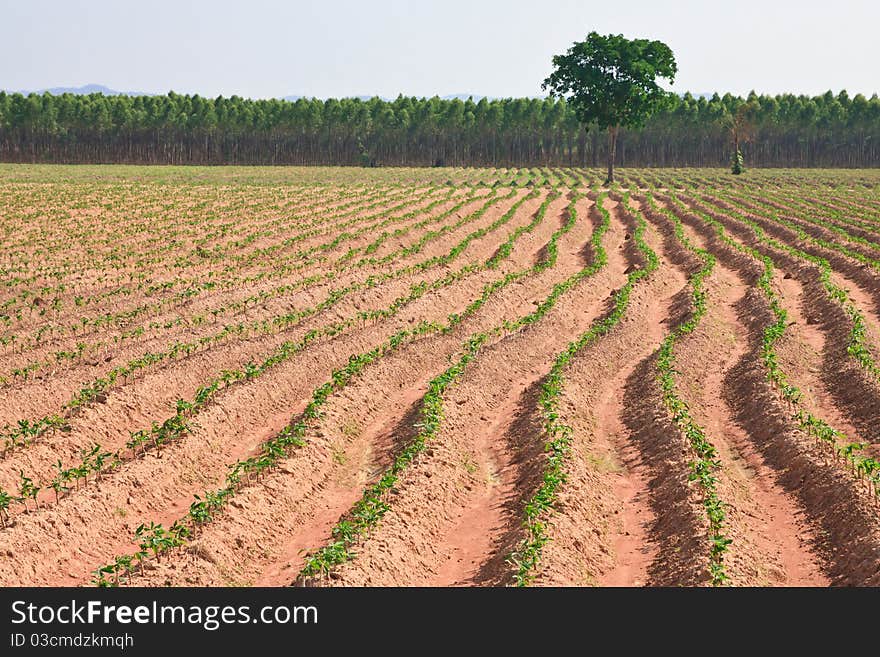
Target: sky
point(497, 48)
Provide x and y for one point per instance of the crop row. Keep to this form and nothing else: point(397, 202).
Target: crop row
point(372, 506)
point(705, 464)
point(858, 346)
point(179, 424)
point(27, 429)
point(827, 244)
point(240, 305)
point(194, 288)
point(862, 465)
point(556, 434)
point(367, 201)
point(204, 508)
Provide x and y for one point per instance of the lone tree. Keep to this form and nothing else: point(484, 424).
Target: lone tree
point(612, 81)
point(741, 124)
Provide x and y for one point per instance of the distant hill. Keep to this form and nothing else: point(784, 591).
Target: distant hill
point(87, 89)
point(293, 99)
point(477, 97)
point(107, 91)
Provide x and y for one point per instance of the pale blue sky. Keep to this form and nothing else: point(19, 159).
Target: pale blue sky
point(257, 48)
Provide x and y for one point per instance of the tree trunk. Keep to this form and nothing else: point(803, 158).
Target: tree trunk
point(612, 150)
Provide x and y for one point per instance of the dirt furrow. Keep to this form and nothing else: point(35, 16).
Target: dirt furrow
point(68, 378)
point(770, 537)
point(859, 273)
point(602, 531)
point(161, 488)
point(452, 514)
point(359, 423)
point(817, 353)
point(844, 525)
point(678, 534)
point(137, 402)
point(203, 271)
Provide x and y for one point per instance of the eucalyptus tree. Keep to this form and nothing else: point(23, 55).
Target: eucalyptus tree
point(788, 130)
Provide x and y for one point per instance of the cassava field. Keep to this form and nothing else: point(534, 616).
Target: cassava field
point(338, 377)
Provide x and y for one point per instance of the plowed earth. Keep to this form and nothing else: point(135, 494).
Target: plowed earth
point(124, 297)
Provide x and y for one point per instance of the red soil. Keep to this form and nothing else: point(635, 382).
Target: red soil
point(626, 514)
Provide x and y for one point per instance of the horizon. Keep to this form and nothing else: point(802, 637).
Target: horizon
point(93, 87)
point(494, 49)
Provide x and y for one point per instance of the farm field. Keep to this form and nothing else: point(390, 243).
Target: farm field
point(248, 376)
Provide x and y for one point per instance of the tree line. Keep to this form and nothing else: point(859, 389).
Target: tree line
point(830, 130)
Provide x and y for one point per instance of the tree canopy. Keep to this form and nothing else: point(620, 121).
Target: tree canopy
point(612, 81)
point(832, 129)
